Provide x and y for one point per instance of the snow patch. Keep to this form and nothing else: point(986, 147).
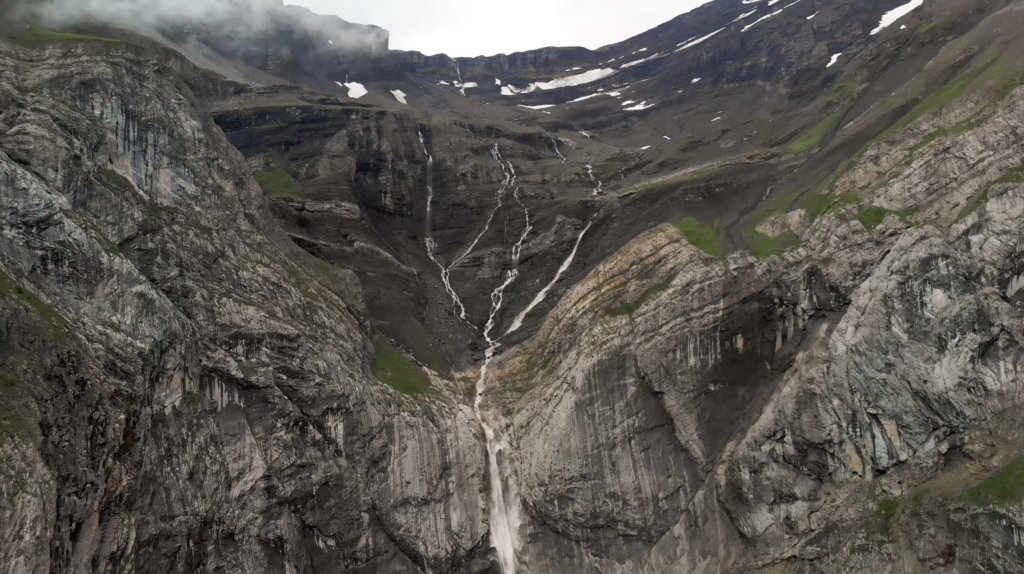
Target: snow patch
point(331, 42)
point(443, 83)
point(666, 137)
point(695, 80)
point(895, 14)
point(400, 96)
point(641, 106)
point(541, 107)
point(716, 119)
point(566, 82)
point(811, 17)
point(747, 15)
point(646, 147)
point(355, 89)
point(638, 62)
point(835, 58)
point(497, 81)
point(693, 43)
point(763, 18)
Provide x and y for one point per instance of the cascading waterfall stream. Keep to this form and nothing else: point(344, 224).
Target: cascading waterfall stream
point(431, 246)
point(544, 292)
point(504, 516)
point(559, 152)
point(594, 180)
point(504, 493)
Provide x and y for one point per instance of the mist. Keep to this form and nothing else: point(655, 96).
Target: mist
point(242, 17)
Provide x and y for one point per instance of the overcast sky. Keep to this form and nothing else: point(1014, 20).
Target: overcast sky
point(487, 27)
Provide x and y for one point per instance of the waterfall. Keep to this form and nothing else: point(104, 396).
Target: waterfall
point(544, 292)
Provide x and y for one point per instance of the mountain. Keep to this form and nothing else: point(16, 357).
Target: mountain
point(741, 294)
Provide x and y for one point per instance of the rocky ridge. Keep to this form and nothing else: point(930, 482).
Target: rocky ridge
point(791, 353)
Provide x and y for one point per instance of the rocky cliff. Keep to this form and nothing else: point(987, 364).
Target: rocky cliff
point(748, 303)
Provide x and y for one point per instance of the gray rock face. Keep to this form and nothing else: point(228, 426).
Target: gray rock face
point(816, 371)
point(185, 389)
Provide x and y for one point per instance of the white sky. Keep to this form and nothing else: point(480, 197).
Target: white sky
point(487, 27)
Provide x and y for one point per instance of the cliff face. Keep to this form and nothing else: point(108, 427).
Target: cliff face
point(249, 326)
point(183, 388)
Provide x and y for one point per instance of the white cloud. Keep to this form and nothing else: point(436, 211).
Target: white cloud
point(473, 28)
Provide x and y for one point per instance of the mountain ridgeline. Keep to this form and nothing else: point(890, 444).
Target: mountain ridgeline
point(741, 294)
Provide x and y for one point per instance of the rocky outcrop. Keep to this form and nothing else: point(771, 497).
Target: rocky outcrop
point(184, 389)
point(679, 412)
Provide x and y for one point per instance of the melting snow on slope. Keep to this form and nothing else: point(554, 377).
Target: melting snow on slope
point(751, 1)
point(891, 16)
point(773, 2)
point(666, 137)
point(646, 147)
point(835, 58)
point(641, 106)
point(497, 81)
point(566, 82)
point(811, 17)
point(331, 42)
point(761, 19)
point(693, 43)
point(638, 62)
point(716, 119)
point(399, 95)
point(355, 89)
point(578, 79)
point(747, 15)
point(695, 80)
point(541, 107)
point(443, 83)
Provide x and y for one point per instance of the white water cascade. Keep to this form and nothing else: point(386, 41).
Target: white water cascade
point(544, 292)
point(431, 246)
point(594, 180)
point(559, 152)
point(505, 519)
point(504, 516)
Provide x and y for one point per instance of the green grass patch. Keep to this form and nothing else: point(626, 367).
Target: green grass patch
point(811, 140)
point(10, 288)
point(11, 423)
point(278, 183)
point(480, 160)
point(1014, 175)
point(36, 36)
point(819, 204)
point(879, 525)
point(1004, 488)
point(872, 216)
point(630, 308)
point(925, 29)
point(763, 245)
point(701, 236)
point(940, 133)
point(947, 94)
point(841, 93)
point(393, 368)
